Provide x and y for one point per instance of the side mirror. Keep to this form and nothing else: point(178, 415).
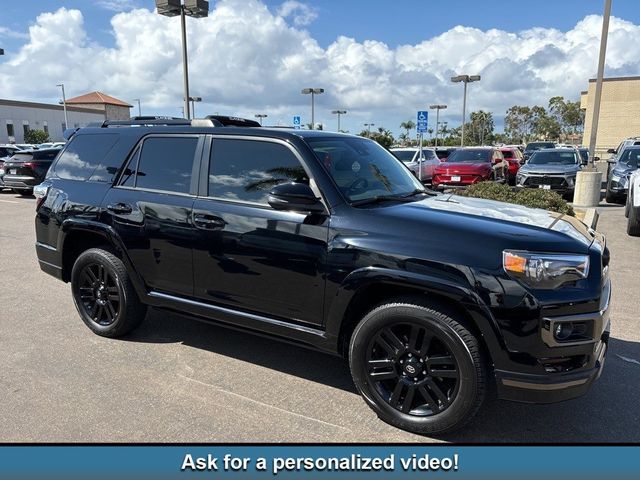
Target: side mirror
point(612, 150)
point(297, 197)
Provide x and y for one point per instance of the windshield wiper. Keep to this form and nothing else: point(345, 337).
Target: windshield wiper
point(405, 197)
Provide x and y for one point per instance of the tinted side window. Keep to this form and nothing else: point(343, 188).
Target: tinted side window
point(246, 170)
point(166, 163)
point(83, 155)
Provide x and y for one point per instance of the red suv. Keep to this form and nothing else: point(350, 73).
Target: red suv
point(466, 166)
point(515, 158)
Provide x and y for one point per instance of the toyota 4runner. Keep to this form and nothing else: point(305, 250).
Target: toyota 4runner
point(329, 241)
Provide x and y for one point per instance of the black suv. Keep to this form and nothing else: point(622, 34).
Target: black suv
point(27, 168)
point(329, 241)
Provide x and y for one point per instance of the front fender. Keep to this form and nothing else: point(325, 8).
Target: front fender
point(436, 287)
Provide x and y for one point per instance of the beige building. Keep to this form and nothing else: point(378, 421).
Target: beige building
point(113, 108)
point(619, 111)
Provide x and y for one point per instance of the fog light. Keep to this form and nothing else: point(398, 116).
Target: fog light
point(563, 331)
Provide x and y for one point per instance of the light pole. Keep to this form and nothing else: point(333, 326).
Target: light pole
point(193, 105)
point(437, 107)
point(466, 79)
point(313, 92)
point(260, 116)
point(589, 181)
point(338, 113)
point(369, 125)
point(139, 109)
point(191, 8)
point(64, 105)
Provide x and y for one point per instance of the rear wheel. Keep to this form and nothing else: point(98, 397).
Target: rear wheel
point(104, 295)
point(417, 367)
point(633, 225)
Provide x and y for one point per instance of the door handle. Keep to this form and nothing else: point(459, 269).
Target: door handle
point(120, 208)
point(209, 222)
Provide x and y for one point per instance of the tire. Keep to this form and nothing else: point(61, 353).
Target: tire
point(25, 193)
point(627, 207)
point(104, 295)
point(389, 345)
point(633, 225)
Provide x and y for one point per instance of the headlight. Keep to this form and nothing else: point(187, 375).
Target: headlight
point(615, 178)
point(624, 181)
point(545, 270)
point(519, 178)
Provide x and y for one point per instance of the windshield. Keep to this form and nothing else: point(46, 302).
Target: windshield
point(539, 145)
point(507, 154)
point(631, 157)
point(469, 156)
point(567, 157)
point(404, 155)
point(362, 169)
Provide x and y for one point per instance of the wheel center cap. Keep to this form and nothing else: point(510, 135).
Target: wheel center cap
point(412, 368)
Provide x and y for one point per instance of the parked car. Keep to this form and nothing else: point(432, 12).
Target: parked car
point(534, 146)
point(632, 205)
point(627, 142)
point(27, 168)
point(327, 240)
point(25, 146)
point(410, 156)
point(443, 152)
point(515, 158)
point(584, 153)
point(618, 182)
point(551, 169)
point(466, 166)
point(6, 151)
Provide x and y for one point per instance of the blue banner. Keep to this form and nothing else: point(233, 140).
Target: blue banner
point(345, 462)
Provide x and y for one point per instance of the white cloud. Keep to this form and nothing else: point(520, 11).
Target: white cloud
point(116, 5)
point(7, 32)
point(301, 13)
point(245, 59)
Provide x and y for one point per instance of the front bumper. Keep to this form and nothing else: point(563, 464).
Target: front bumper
point(556, 183)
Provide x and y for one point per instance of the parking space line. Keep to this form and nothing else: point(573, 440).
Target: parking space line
point(8, 201)
point(262, 403)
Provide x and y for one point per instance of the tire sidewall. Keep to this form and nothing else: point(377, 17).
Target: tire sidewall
point(467, 393)
point(95, 256)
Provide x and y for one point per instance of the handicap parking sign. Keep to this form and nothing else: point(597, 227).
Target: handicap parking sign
point(421, 124)
point(296, 122)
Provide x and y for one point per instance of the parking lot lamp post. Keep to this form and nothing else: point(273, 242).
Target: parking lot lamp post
point(465, 79)
point(437, 108)
point(193, 105)
point(369, 125)
point(313, 92)
point(338, 113)
point(191, 8)
point(260, 116)
point(64, 105)
point(139, 109)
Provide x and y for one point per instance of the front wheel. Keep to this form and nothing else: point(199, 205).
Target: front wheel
point(104, 295)
point(417, 368)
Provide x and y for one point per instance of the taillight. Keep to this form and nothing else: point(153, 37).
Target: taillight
point(40, 192)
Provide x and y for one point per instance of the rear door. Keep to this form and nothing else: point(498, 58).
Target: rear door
point(150, 210)
point(249, 256)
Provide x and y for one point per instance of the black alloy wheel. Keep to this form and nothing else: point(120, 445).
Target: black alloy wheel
point(104, 294)
point(412, 369)
point(100, 296)
point(418, 367)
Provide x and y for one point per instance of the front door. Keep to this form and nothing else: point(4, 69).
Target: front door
point(249, 256)
point(151, 208)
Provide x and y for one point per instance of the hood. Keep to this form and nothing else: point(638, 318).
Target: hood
point(622, 169)
point(516, 225)
point(549, 169)
point(463, 167)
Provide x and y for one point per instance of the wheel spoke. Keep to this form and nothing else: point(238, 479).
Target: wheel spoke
point(94, 310)
point(385, 345)
point(102, 274)
point(91, 275)
point(382, 369)
point(437, 391)
point(395, 396)
point(438, 372)
point(393, 340)
point(440, 360)
point(413, 337)
point(110, 311)
point(408, 400)
point(432, 402)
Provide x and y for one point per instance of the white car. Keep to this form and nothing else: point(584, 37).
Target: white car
point(410, 157)
point(632, 207)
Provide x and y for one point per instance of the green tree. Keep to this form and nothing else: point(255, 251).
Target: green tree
point(480, 128)
point(383, 136)
point(408, 126)
point(36, 136)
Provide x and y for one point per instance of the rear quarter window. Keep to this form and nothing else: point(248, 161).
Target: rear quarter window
point(83, 155)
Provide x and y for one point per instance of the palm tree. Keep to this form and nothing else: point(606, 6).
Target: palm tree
point(408, 126)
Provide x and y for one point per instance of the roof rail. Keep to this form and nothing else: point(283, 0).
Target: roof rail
point(146, 122)
point(226, 121)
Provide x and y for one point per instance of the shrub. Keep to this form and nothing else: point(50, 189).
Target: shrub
point(36, 136)
point(534, 198)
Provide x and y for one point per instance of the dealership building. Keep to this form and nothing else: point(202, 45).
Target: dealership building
point(619, 111)
point(18, 117)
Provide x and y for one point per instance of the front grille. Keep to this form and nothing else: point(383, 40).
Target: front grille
point(546, 180)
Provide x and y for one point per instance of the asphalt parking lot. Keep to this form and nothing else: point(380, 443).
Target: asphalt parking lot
point(178, 380)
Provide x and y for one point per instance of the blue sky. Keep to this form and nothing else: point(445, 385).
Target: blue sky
point(398, 57)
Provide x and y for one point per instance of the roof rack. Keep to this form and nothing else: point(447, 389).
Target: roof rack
point(226, 121)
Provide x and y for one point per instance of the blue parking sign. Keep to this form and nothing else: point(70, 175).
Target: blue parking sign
point(423, 119)
point(296, 122)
